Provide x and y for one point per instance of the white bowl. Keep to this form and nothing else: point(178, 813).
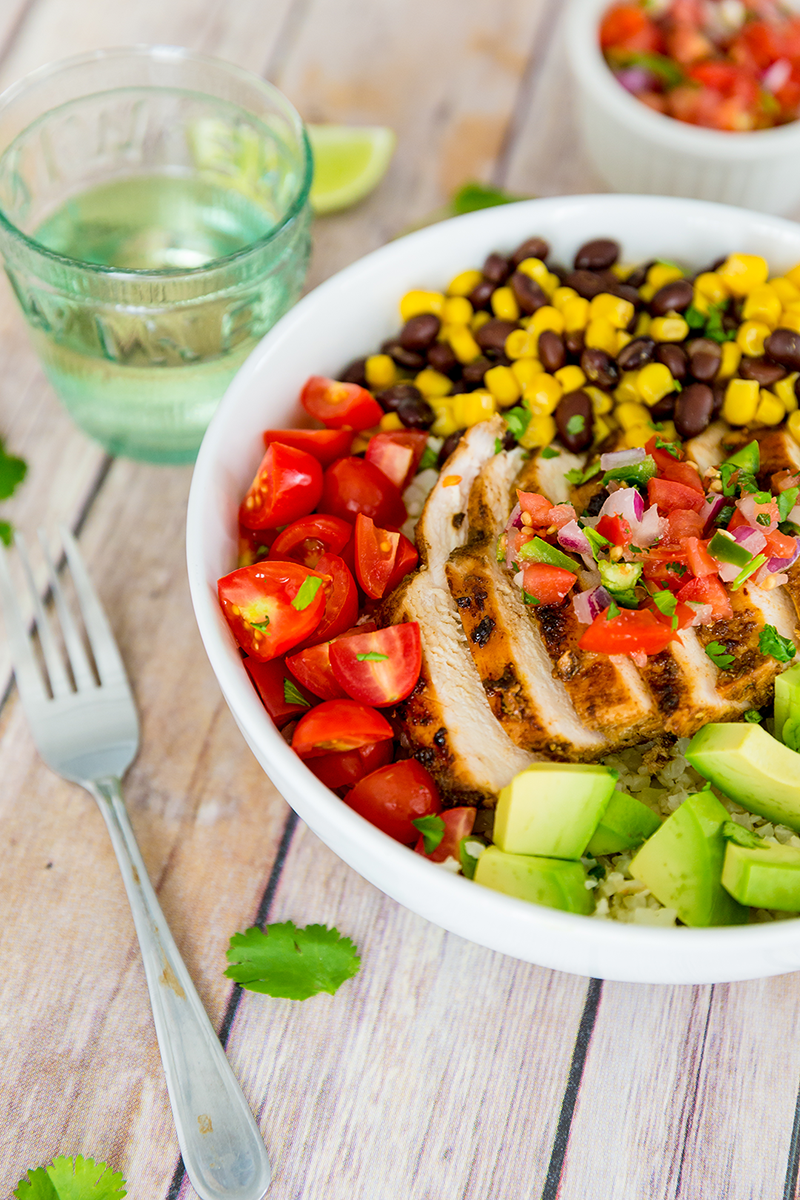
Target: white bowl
point(635, 149)
point(348, 316)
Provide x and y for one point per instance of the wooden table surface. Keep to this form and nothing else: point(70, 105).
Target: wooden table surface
point(443, 1071)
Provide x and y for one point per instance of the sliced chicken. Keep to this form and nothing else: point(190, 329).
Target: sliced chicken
point(707, 450)
point(683, 682)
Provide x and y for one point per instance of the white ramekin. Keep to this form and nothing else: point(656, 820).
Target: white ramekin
point(635, 149)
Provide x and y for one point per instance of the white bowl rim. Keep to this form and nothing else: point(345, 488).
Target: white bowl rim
point(581, 945)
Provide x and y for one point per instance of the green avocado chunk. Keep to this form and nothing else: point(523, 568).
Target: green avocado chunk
point(787, 707)
point(765, 877)
point(682, 864)
point(625, 823)
point(552, 882)
point(752, 767)
point(552, 809)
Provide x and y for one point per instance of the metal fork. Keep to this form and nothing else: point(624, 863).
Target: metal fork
point(90, 734)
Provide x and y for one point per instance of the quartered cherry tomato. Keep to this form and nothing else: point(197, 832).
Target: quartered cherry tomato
point(312, 666)
point(394, 796)
point(376, 554)
point(379, 668)
point(344, 769)
point(305, 540)
point(397, 454)
point(272, 606)
point(253, 545)
point(337, 725)
point(326, 445)
point(288, 485)
point(353, 485)
point(404, 563)
point(631, 631)
point(340, 404)
point(458, 823)
point(283, 698)
point(547, 584)
point(341, 599)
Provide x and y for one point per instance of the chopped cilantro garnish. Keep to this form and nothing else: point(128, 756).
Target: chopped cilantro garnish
point(498, 445)
point(76, 1178)
point(763, 519)
point(724, 515)
point(786, 502)
point(12, 472)
point(527, 598)
point(596, 540)
point(666, 602)
point(549, 452)
point(677, 568)
point(432, 830)
point(576, 424)
point(752, 716)
point(291, 695)
point(430, 458)
point(612, 611)
point(671, 447)
point(664, 68)
point(780, 648)
point(694, 318)
point(291, 963)
point(259, 625)
point(727, 471)
point(6, 533)
point(372, 656)
point(308, 590)
point(720, 656)
point(517, 419)
point(576, 477)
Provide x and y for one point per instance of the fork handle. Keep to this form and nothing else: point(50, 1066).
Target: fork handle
point(223, 1151)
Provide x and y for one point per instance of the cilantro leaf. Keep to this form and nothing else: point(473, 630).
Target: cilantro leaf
point(430, 458)
point(308, 590)
point(72, 1179)
point(291, 963)
point(786, 502)
point(549, 452)
point(763, 519)
point(292, 696)
point(528, 598)
point(575, 476)
point(596, 540)
point(498, 445)
point(666, 602)
point(6, 533)
point(612, 611)
point(517, 419)
point(372, 656)
point(720, 656)
point(752, 716)
point(12, 472)
point(771, 642)
point(576, 424)
point(259, 625)
point(694, 318)
point(432, 830)
point(471, 197)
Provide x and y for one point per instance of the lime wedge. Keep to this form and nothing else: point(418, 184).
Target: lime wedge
point(349, 161)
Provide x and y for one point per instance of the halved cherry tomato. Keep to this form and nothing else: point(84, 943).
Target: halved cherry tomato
point(537, 507)
point(272, 606)
point(616, 529)
point(344, 769)
point(312, 666)
point(376, 555)
point(684, 523)
point(353, 485)
point(305, 540)
point(340, 404)
point(707, 590)
point(326, 445)
point(338, 725)
point(632, 630)
point(404, 563)
point(283, 698)
point(288, 485)
point(669, 467)
point(700, 561)
point(341, 600)
point(458, 823)
point(397, 453)
point(254, 544)
point(668, 495)
point(394, 796)
point(379, 668)
point(547, 585)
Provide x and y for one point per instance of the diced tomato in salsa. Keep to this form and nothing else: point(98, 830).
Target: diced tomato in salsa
point(632, 631)
point(546, 584)
point(708, 590)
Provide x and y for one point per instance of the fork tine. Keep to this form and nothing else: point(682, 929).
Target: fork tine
point(110, 666)
point(81, 670)
point(29, 679)
point(59, 681)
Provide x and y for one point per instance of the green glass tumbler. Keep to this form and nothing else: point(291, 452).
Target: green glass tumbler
point(154, 224)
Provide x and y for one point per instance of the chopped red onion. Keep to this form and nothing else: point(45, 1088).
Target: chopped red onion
point(751, 539)
point(626, 503)
point(713, 505)
point(621, 458)
point(751, 510)
point(636, 79)
point(794, 515)
point(588, 605)
point(651, 527)
point(773, 78)
point(783, 564)
point(572, 538)
point(728, 572)
point(514, 522)
point(703, 613)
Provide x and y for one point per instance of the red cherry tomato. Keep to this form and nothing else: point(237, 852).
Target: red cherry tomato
point(404, 563)
point(394, 796)
point(338, 725)
point(353, 485)
point(340, 404)
point(305, 540)
point(376, 555)
point(326, 445)
point(397, 454)
point(254, 544)
point(547, 584)
point(633, 630)
point(344, 769)
point(312, 666)
point(458, 823)
point(341, 599)
point(283, 698)
point(288, 485)
point(669, 495)
point(379, 668)
point(272, 606)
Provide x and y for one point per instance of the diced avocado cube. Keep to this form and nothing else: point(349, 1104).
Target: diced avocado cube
point(787, 707)
point(552, 809)
point(682, 864)
point(625, 823)
point(767, 876)
point(552, 882)
point(752, 767)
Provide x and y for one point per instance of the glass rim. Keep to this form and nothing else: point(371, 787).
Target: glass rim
point(156, 51)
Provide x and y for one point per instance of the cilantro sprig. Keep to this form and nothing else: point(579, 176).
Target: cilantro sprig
point(291, 963)
point(771, 642)
point(71, 1179)
point(719, 656)
point(12, 472)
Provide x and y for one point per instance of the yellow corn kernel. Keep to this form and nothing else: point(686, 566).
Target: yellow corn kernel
point(542, 394)
point(614, 309)
point(784, 390)
point(418, 301)
point(432, 383)
point(643, 323)
point(562, 296)
point(464, 283)
point(621, 271)
point(638, 435)
point(668, 431)
point(623, 337)
point(729, 363)
point(540, 432)
point(445, 423)
point(576, 314)
point(793, 276)
point(741, 401)
point(601, 335)
point(546, 317)
point(630, 414)
point(711, 286)
point(504, 304)
point(668, 329)
point(790, 320)
point(471, 407)
point(479, 319)
point(456, 310)
point(520, 343)
point(601, 401)
point(627, 388)
point(602, 428)
point(662, 273)
point(389, 422)
point(701, 303)
point(654, 382)
point(793, 424)
point(463, 344)
point(551, 284)
point(743, 272)
point(535, 269)
point(770, 411)
point(792, 305)
point(504, 385)
point(784, 289)
point(763, 304)
point(570, 378)
point(380, 371)
point(750, 337)
point(524, 369)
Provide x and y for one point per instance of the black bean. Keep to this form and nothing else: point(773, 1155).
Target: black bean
point(636, 354)
point(600, 369)
point(586, 283)
point(783, 346)
point(509, 441)
point(672, 297)
point(638, 275)
point(674, 357)
point(442, 358)
point(415, 414)
point(497, 269)
point(390, 397)
point(530, 296)
point(705, 356)
point(626, 292)
point(796, 389)
point(480, 296)
point(574, 342)
point(410, 359)
point(475, 371)
point(459, 386)
point(597, 255)
point(557, 269)
point(534, 247)
point(574, 420)
point(663, 409)
point(694, 409)
point(596, 503)
point(719, 389)
point(552, 351)
point(449, 445)
point(762, 370)
point(419, 332)
point(492, 335)
point(354, 372)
